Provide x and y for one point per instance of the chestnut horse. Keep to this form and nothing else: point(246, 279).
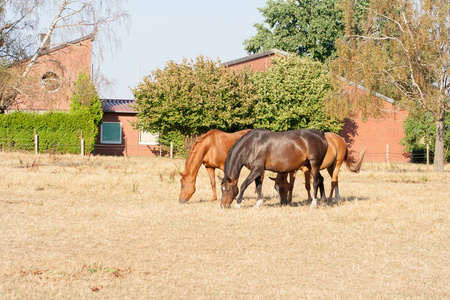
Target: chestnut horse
point(211, 150)
point(336, 154)
point(283, 152)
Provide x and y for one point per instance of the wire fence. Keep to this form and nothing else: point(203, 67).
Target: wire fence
point(124, 149)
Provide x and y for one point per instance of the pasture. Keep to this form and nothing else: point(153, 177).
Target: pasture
point(112, 227)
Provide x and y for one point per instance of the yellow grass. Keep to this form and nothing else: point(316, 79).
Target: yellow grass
point(112, 227)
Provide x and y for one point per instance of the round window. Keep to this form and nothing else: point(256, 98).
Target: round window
point(51, 81)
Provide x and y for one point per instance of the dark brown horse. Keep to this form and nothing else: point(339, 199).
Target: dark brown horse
point(211, 150)
point(283, 152)
point(336, 154)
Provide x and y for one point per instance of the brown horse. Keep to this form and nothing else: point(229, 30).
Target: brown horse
point(211, 150)
point(283, 152)
point(336, 154)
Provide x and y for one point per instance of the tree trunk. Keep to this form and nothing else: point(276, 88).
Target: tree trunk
point(439, 147)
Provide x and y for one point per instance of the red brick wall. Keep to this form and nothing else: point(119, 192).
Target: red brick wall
point(258, 64)
point(374, 135)
point(67, 62)
point(130, 138)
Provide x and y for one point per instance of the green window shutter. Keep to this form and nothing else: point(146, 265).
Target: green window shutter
point(111, 133)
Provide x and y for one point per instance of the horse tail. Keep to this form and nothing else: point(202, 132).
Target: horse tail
point(352, 165)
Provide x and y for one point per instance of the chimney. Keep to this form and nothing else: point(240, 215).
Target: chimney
point(47, 44)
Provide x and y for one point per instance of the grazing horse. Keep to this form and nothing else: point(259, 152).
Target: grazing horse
point(211, 150)
point(336, 154)
point(283, 152)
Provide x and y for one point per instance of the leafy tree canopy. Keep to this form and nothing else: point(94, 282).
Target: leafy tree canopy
point(402, 51)
point(291, 95)
point(305, 27)
point(194, 96)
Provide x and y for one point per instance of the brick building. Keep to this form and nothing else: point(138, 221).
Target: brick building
point(55, 72)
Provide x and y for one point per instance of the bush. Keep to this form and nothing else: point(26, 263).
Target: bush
point(58, 132)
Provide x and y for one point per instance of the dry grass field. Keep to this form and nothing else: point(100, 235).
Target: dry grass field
point(112, 228)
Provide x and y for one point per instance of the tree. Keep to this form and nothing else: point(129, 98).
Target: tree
point(420, 130)
point(85, 99)
point(402, 51)
point(191, 97)
point(304, 27)
point(68, 18)
point(291, 95)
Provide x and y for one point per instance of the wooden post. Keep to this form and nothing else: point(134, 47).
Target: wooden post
point(36, 144)
point(82, 144)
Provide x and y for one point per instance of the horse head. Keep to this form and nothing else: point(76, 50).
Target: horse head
point(187, 188)
point(283, 187)
point(229, 191)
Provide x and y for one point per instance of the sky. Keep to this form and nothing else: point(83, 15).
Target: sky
point(160, 31)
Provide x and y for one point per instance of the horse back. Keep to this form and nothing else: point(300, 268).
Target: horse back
point(286, 151)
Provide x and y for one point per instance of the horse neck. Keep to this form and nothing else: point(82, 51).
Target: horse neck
point(234, 164)
point(194, 161)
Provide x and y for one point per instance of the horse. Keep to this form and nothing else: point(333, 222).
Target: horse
point(261, 149)
point(211, 150)
point(336, 154)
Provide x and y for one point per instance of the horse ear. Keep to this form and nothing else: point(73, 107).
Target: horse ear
point(273, 178)
point(220, 178)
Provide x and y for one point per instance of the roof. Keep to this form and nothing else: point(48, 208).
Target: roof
point(118, 105)
point(255, 56)
point(362, 88)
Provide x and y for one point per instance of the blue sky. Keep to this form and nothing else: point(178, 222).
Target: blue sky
point(160, 31)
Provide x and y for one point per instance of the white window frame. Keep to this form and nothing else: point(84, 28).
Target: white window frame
point(147, 143)
point(111, 142)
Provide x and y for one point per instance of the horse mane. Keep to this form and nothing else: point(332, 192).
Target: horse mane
point(195, 148)
point(235, 145)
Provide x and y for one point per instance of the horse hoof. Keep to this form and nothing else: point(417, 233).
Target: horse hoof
point(237, 205)
point(259, 203)
point(182, 201)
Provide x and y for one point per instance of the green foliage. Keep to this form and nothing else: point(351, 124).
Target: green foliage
point(291, 95)
point(192, 97)
point(420, 130)
point(305, 27)
point(59, 132)
point(86, 100)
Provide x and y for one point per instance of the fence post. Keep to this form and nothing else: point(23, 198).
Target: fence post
point(82, 144)
point(387, 153)
point(171, 150)
point(36, 144)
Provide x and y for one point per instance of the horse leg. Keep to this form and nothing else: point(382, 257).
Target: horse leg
point(212, 180)
point(335, 182)
point(291, 185)
point(318, 182)
point(254, 176)
point(307, 182)
point(330, 170)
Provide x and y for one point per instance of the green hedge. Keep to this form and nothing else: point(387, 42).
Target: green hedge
point(57, 131)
